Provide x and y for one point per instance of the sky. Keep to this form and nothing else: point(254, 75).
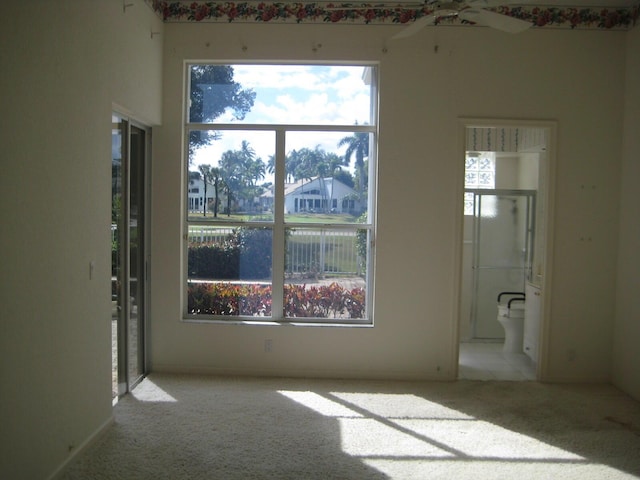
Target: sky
point(293, 94)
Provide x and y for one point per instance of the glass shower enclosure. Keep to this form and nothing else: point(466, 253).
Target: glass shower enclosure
point(503, 233)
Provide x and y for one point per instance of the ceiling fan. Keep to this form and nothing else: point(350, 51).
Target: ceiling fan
point(473, 11)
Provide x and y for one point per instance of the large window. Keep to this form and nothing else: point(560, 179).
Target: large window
point(280, 188)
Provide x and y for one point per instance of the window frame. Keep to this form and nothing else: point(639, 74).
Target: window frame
point(278, 223)
point(469, 188)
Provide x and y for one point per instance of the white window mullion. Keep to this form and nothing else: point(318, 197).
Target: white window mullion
point(279, 254)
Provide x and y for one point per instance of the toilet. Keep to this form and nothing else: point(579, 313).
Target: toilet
point(511, 317)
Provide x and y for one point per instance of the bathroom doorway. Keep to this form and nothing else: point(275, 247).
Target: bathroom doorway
point(503, 246)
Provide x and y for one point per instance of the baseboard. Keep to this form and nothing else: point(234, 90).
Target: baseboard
point(575, 380)
point(307, 373)
point(101, 430)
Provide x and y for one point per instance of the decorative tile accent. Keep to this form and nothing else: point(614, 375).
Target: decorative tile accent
point(363, 13)
point(501, 139)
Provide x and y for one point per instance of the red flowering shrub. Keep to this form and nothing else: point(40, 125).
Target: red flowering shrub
point(324, 301)
point(228, 299)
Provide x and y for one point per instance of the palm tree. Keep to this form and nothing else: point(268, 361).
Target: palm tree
point(207, 176)
point(322, 167)
point(240, 172)
point(289, 165)
point(216, 174)
point(231, 172)
point(358, 146)
point(307, 162)
point(271, 164)
point(335, 163)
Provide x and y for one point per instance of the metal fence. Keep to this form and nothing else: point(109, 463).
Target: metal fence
point(208, 235)
point(309, 251)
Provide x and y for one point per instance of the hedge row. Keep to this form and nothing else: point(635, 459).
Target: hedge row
point(246, 253)
point(324, 301)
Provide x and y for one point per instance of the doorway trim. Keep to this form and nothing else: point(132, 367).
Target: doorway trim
point(547, 222)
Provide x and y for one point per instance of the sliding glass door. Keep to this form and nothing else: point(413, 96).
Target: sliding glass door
point(129, 252)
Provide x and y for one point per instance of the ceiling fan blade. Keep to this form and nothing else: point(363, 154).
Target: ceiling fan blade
point(416, 26)
point(494, 20)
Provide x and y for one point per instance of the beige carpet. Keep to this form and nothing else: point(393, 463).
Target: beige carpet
point(196, 427)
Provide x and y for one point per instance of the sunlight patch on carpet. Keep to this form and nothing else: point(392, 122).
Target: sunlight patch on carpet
point(391, 432)
point(495, 470)
point(480, 439)
point(148, 391)
point(320, 404)
point(389, 405)
point(370, 438)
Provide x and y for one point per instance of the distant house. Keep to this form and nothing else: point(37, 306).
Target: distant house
point(196, 199)
point(317, 195)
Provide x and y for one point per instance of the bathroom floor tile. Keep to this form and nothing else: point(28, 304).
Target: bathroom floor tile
point(487, 361)
point(509, 375)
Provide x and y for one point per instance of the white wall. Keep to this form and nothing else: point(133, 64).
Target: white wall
point(626, 371)
point(63, 64)
point(475, 72)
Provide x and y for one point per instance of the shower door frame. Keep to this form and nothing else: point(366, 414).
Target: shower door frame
point(476, 266)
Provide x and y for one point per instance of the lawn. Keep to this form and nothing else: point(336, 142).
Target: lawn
point(326, 218)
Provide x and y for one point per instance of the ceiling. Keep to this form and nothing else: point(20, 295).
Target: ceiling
point(568, 14)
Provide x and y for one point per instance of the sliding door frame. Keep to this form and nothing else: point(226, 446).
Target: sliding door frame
point(127, 304)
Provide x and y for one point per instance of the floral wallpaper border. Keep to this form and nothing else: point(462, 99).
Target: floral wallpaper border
point(362, 13)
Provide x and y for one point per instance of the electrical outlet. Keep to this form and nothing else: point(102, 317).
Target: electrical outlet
point(268, 345)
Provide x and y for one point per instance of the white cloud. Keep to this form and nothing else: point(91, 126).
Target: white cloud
point(306, 94)
point(295, 94)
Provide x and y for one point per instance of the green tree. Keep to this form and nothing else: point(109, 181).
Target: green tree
point(205, 171)
point(344, 176)
point(358, 147)
point(231, 171)
point(306, 162)
point(291, 163)
point(216, 174)
point(334, 164)
point(240, 171)
point(214, 92)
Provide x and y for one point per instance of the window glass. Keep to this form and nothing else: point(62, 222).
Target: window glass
point(230, 177)
point(326, 176)
point(279, 201)
point(324, 274)
point(229, 271)
point(281, 94)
